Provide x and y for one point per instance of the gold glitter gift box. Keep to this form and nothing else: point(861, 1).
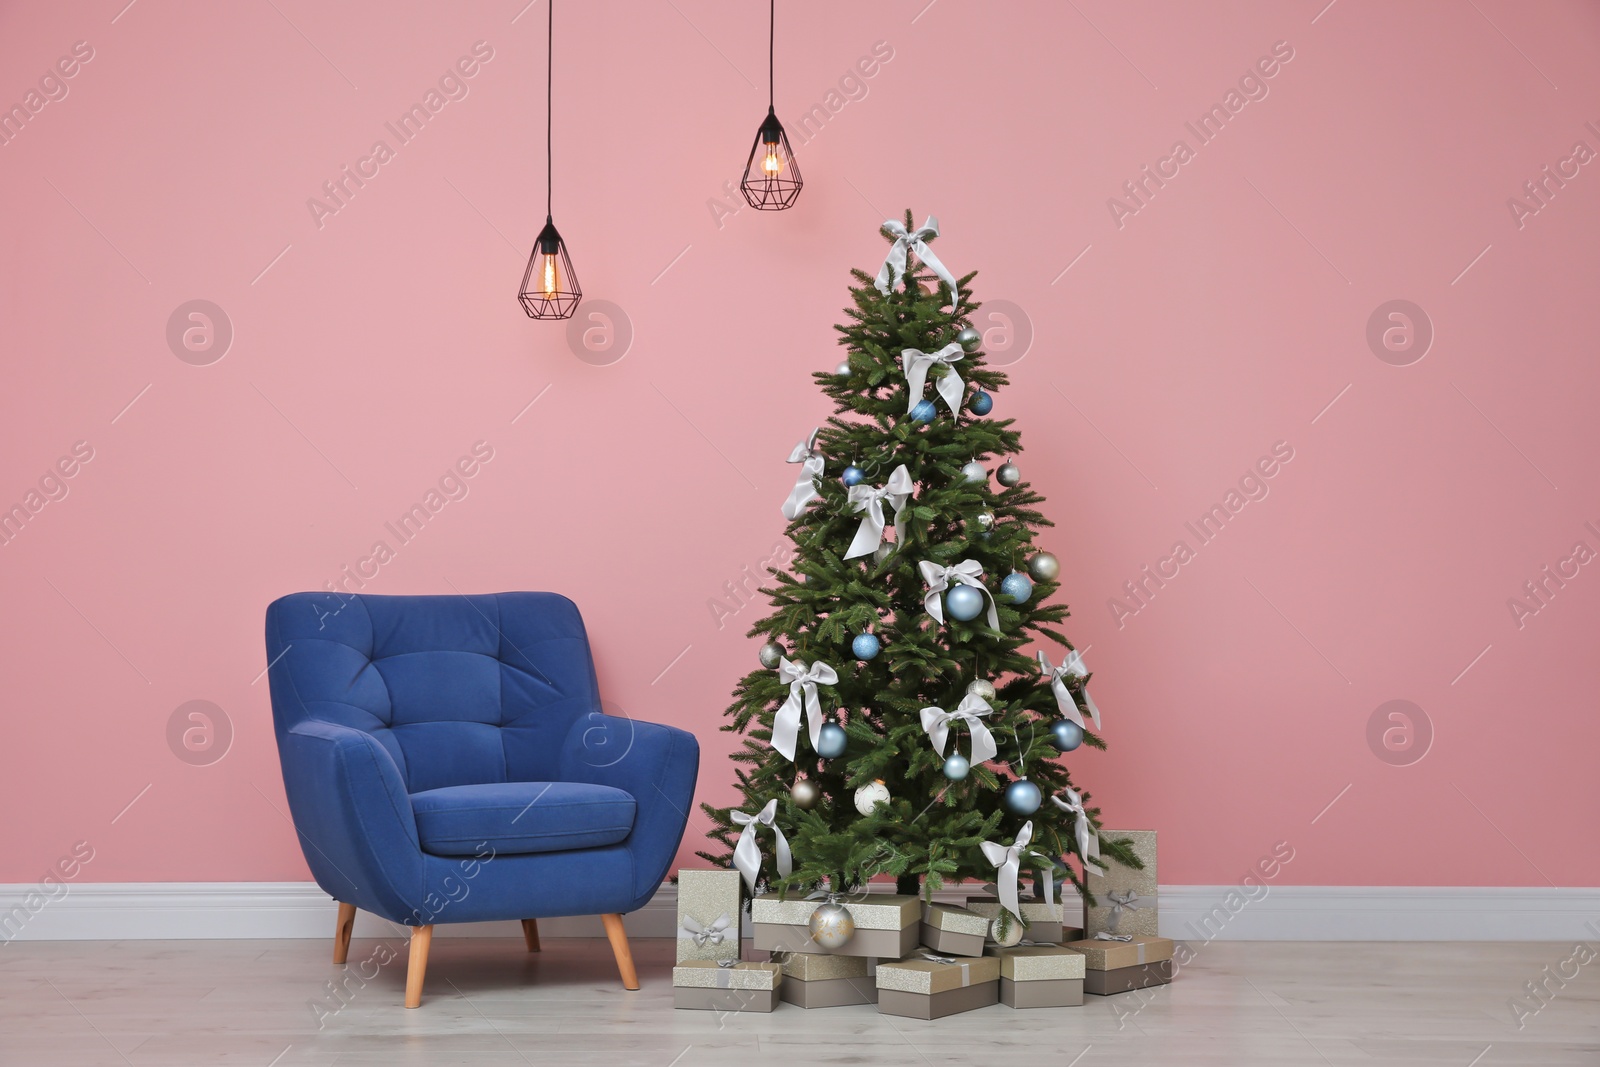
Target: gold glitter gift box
point(708, 914)
point(815, 980)
point(1125, 897)
point(1039, 976)
point(925, 988)
point(724, 985)
point(886, 925)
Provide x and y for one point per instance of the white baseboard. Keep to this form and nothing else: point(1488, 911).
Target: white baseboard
point(223, 910)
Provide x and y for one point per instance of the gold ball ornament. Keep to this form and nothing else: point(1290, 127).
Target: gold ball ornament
point(1005, 930)
point(805, 793)
point(1044, 567)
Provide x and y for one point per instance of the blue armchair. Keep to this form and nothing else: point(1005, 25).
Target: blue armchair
point(446, 760)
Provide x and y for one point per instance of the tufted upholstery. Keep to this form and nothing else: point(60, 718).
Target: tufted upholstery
point(408, 724)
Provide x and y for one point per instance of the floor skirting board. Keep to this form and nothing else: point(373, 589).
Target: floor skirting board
point(182, 910)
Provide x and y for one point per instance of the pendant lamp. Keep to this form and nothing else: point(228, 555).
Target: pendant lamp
point(771, 175)
point(549, 285)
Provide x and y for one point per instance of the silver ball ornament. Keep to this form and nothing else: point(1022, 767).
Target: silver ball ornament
point(1008, 474)
point(870, 796)
point(831, 741)
point(1022, 797)
point(843, 369)
point(970, 340)
point(1066, 735)
point(771, 653)
point(963, 603)
point(956, 767)
point(1044, 567)
point(1006, 931)
point(986, 519)
point(832, 926)
point(981, 689)
point(805, 793)
point(975, 472)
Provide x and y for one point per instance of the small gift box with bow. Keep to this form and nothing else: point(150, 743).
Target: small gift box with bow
point(1113, 965)
point(1039, 976)
point(953, 931)
point(726, 985)
point(708, 915)
point(886, 924)
point(931, 986)
point(813, 980)
point(1125, 897)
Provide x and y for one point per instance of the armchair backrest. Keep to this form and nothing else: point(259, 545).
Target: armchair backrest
point(461, 690)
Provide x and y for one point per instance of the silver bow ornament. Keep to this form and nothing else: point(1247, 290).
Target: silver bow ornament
point(916, 364)
point(805, 487)
point(894, 265)
point(936, 723)
point(706, 934)
point(1073, 670)
point(747, 854)
point(941, 578)
point(1121, 901)
point(869, 500)
point(802, 681)
point(1008, 860)
point(1088, 840)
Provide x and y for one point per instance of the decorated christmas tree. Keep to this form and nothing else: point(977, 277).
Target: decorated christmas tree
point(904, 722)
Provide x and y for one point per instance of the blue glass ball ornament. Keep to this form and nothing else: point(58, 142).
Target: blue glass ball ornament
point(1066, 735)
point(865, 646)
point(981, 403)
point(853, 475)
point(831, 740)
point(1022, 797)
point(956, 767)
point(964, 603)
point(923, 412)
point(1017, 586)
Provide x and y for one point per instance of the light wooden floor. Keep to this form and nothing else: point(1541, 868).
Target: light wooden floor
point(174, 1003)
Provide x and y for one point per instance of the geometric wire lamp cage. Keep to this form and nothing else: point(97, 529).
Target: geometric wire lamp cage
point(549, 285)
point(771, 176)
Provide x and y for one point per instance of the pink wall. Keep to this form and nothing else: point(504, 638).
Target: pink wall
point(1188, 337)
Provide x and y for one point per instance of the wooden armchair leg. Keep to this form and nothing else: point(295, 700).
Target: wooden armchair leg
point(342, 932)
point(530, 934)
point(417, 966)
point(619, 947)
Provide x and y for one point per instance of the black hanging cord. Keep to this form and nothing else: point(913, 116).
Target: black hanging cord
point(549, 87)
point(772, 33)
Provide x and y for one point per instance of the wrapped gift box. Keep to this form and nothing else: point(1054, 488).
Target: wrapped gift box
point(886, 925)
point(722, 985)
point(1043, 917)
point(814, 980)
point(953, 931)
point(1120, 966)
point(1125, 897)
point(931, 988)
point(708, 914)
point(1039, 976)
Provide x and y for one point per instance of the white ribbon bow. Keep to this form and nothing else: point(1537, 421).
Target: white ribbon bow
point(865, 498)
point(1120, 902)
point(1071, 669)
point(936, 723)
point(802, 682)
point(1088, 840)
point(916, 364)
point(805, 487)
point(941, 578)
point(1103, 936)
point(747, 854)
point(702, 936)
point(1009, 861)
point(894, 266)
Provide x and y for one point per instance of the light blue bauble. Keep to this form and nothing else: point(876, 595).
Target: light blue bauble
point(1022, 797)
point(831, 740)
point(1017, 587)
point(981, 403)
point(853, 475)
point(865, 646)
point(1066, 735)
point(964, 603)
point(924, 411)
point(956, 767)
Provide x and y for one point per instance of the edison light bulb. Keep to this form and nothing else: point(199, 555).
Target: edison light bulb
point(548, 276)
point(771, 165)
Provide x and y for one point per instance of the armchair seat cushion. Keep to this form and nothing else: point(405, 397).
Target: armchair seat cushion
point(515, 818)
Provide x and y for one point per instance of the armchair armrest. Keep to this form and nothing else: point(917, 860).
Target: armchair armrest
point(353, 817)
point(658, 765)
